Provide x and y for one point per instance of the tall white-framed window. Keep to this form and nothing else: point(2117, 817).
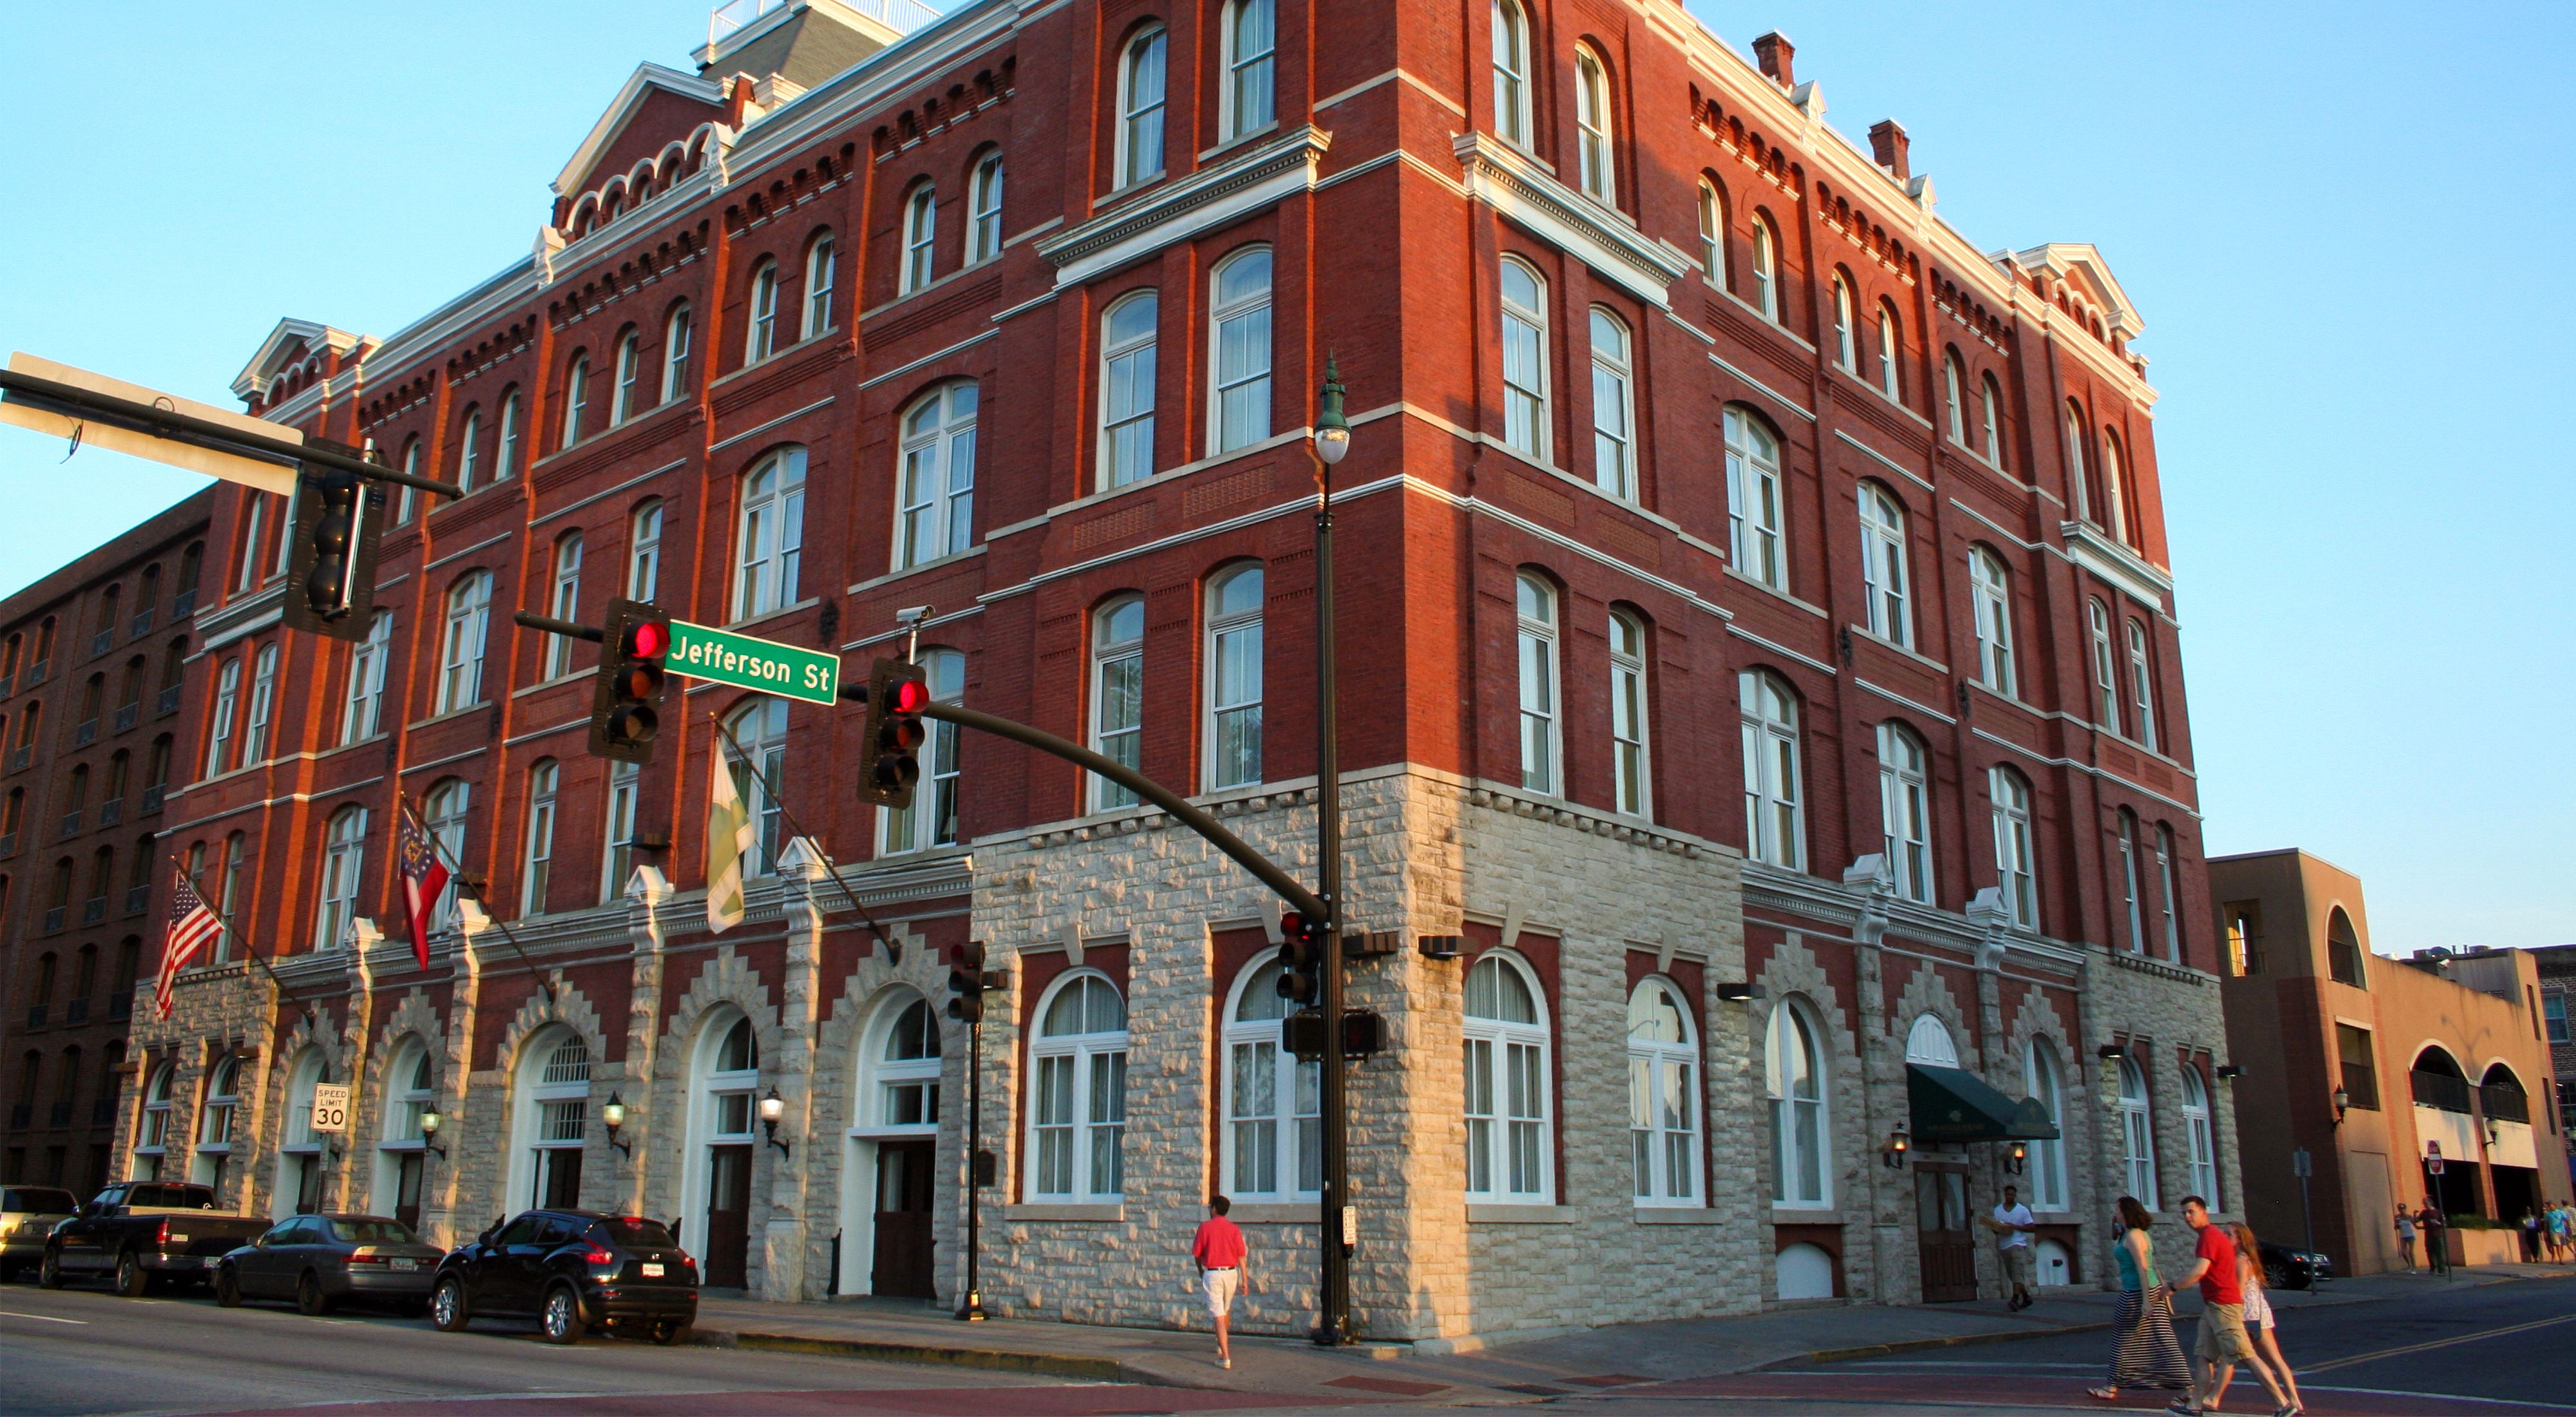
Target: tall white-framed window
point(152, 1139)
point(550, 1119)
point(443, 814)
point(1509, 1157)
point(1905, 809)
point(1239, 394)
point(902, 1084)
point(644, 550)
point(254, 540)
point(1954, 397)
point(362, 714)
point(2168, 897)
point(215, 1125)
point(1990, 420)
point(759, 727)
point(411, 1089)
point(628, 400)
point(298, 1187)
point(1775, 827)
point(1274, 1123)
point(1846, 337)
point(263, 705)
point(565, 601)
point(1117, 694)
point(984, 210)
point(1712, 235)
point(2042, 1080)
point(505, 461)
point(2142, 680)
point(576, 398)
point(920, 239)
point(1882, 565)
point(1525, 420)
point(676, 331)
point(1614, 437)
point(2132, 895)
point(1990, 598)
point(931, 820)
point(344, 859)
point(536, 861)
point(460, 654)
point(1535, 598)
point(1078, 1087)
point(1251, 39)
point(402, 503)
point(1511, 73)
point(1754, 533)
point(1891, 356)
point(2202, 1131)
point(1127, 346)
point(2114, 491)
point(1593, 126)
point(1663, 1096)
point(2076, 477)
point(2106, 685)
point(761, 333)
point(1140, 108)
point(2138, 1135)
point(769, 540)
point(1794, 1075)
point(822, 273)
point(1766, 268)
point(469, 451)
point(936, 514)
point(2015, 869)
point(617, 856)
point(1234, 677)
point(1631, 769)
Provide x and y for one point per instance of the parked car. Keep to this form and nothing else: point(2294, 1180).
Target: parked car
point(2286, 1268)
point(573, 1271)
point(142, 1232)
point(320, 1260)
point(27, 1215)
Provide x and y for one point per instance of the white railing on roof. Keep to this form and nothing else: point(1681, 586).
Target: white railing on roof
point(901, 16)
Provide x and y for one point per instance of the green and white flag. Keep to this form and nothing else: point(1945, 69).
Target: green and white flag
point(729, 840)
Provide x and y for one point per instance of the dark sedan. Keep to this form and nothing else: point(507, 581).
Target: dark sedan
point(2286, 1268)
point(573, 1271)
point(321, 1260)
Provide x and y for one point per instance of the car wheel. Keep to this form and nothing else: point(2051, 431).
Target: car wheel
point(669, 1331)
point(309, 1298)
point(49, 1271)
point(131, 1278)
point(562, 1317)
point(228, 1288)
point(448, 1307)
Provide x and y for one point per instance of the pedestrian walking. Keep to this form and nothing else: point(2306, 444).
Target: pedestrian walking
point(2263, 1322)
point(2406, 1236)
point(2437, 1248)
point(2222, 1342)
point(1220, 1252)
point(2530, 1235)
point(2558, 1232)
point(2012, 1224)
point(2147, 1354)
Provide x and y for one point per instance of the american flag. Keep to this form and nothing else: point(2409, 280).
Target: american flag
point(423, 877)
point(192, 928)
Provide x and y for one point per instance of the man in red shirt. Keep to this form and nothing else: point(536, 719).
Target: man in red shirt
point(2222, 1315)
point(1219, 1250)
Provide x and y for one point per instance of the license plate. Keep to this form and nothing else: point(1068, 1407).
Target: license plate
point(178, 1239)
point(652, 1271)
point(406, 1266)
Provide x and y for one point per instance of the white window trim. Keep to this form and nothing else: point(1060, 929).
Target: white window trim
point(2044, 1079)
point(1769, 744)
point(1148, 347)
point(1511, 61)
point(2138, 1136)
point(1132, 121)
point(1284, 1117)
point(536, 861)
point(564, 602)
point(466, 637)
point(2106, 682)
point(1766, 269)
point(769, 535)
point(675, 353)
point(1220, 383)
point(1618, 476)
point(822, 277)
point(1656, 1057)
point(760, 331)
point(2016, 871)
point(946, 432)
point(1632, 766)
point(1596, 129)
point(1846, 340)
point(576, 398)
point(2142, 706)
point(1905, 810)
point(630, 373)
point(1231, 68)
point(1088, 1052)
point(1501, 1037)
point(1789, 1018)
point(1218, 627)
point(984, 209)
point(919, 256)
point(344, 857)
point(1990, 596)
point(1753, 465)
point(1542, 686)
point(1534, 393)
point(2200, 1128)
point(1108, 655)
point(1888, 589)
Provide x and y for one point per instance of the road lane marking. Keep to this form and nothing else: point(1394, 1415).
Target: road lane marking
point(2509, 1329)
point(2451, 1397)
point(41, 1318)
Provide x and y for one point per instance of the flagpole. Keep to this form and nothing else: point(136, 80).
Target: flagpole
point(465, 884)
point(244, 941)
point(894, 952)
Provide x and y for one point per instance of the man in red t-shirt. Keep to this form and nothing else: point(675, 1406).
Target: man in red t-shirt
point(1219, 1250)
point(2222, 1314)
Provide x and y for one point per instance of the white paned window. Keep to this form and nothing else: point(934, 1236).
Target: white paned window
point(931, 820)
point(1592, 125)
point(344, 855)
point(905, 1073)
point(1766, 269)
point(536, 864)
point(2203, 1133)
point(1754, 540)
point(2142, 679)
point(1630, 768)
point(2106, 687)
point(763, 327)
point(2076, 477)
point(152, 1142)
point(1251, 38)
point(1525, 420)
point(1663, 1097)
point(1274, 1124)
point(1846, 339)
point(565, 602)
point(1234, 678)
point(1127, 343)
point(769, 543)
point(2132, 897)
point(505, 462)
point(552, 1119)
point(215, 1124)
point(1614, 452)
point(1117, 694)
point(469, 451)
point(759, 728)
point(1140, 109)
point(2047, 1158)
point(1990, 596)
point(2169, 897)
point(1540, 743)
point(2114, 491)
point(1905, 809)
point(402, 503)
point(617, 858)
point(1712, 235)
point(1775, 828)
point(460, 655)
point(1882, 566)
point(254, 537)
point(1511, 73)
point(920, 238)
point(644, 551)
point(1954, 398)
point(576, 398)
point(1794, 1074)
point(628, 399)
point(2138, 1135)
point(1891, 359)
point(362, 715)
point(443, 813)
point(675, 353)
point(2015, 870)
point(263, 706)
point(1509, 1157)
point(1239, 395)
point(984, 210)
point(822, 273)
point(935, 515)
point(1078, 1092)
point(1990, 420)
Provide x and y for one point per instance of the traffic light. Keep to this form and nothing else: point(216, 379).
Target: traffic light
point(331, 553)
point(969, 981)
point(626, 696)
point(897, 693)
point(1301, 959)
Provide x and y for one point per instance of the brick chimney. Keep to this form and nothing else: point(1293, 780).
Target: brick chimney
point(1773, 52)
point(1887, 144)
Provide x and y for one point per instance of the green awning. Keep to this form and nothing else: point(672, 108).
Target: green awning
point(1953, 1104)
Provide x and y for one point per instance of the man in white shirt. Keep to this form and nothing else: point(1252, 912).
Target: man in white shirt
point(2012, 1225)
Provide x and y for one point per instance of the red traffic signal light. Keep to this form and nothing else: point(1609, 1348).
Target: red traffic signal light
point(898, 692)
point(626, 696)
point(1301, 959)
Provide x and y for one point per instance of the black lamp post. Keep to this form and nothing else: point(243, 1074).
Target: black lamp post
point(772, 1108)
point(1338, 1225)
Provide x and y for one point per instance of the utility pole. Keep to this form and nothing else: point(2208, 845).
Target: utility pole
point(1338, 1223)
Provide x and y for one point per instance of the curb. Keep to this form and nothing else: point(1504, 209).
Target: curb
point(1062, 1365)
point(1918, 1345)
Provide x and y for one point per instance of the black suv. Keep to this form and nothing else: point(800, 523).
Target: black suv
point(573, 1271)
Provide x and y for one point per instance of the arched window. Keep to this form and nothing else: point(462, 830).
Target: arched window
point(1274, 1125)
point(1775, 828)
point(1593, 126)
point(362, 714)
point(628, 399)
point(551, 1113)
point(298, 1188)
point(263, 705)
point(1117, 694)
point(2142, 703)
point(1753, 500)
point(152, 1141)
point(1990, 597)
point(1891, 360)
point(1882, 565)
point(759, 729)
point(1525, 420)
point(920, 239)
point(1536, 600)
point(2169, 896)
point(617, 853)
point(1509, 1157)
point(1511, 73)
point(1140, 109)
point(1954, 397)
point(2343, 951)
point(1248, 104)
point(675, 353)
point(770, 535)
point(219, 730)
point(400, 1149)
point(2106, 690)
point(1234, 677)
point(931, 820)
point(2076, 477)
point(1630, 769)
point(469, 451)
point(215, 1125)
point(1663, 1096)
point(1905, 809)
point(1846, 336)
point(344, 859)
point(1929, 1042)
point(1614, 456)
point(1712, 235)
point(1801, 1143)
point(232, 901)
point(565, 602)
point(2132, 895)
point(2014, 869)
point(2114, 493)
point(2048, 1157)
point(1078, 1086)
point(904, 1066)
point(2198, 1125)
point(937, 513)
point(984, 210)
point(254, 535)
point(576, 398)
point(1127, 341)
point(822, 271)
point(644, 550)
point(1990, 415)
point(537, 861)
point(469, 623)
point(411, 468)
point(762, 335)
point(2138, 1134)
point(1239, 395)
point(505, 462)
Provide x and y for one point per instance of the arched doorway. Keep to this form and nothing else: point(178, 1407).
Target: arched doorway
point(724, 1076)
point(298, 1189)
point(402, 1150)
point(889, 1178)
point(2446, 1133)
point(549, 1115)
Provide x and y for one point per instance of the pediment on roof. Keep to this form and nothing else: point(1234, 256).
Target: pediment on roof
point(656, 106)
point(2080, 264)
point(288, 346)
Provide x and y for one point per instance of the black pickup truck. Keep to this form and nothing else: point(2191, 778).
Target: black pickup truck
point(140, 1231)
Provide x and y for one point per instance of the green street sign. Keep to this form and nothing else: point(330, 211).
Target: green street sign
point(705, 652)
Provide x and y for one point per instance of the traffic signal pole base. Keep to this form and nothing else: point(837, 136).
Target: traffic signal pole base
point(971, 1311)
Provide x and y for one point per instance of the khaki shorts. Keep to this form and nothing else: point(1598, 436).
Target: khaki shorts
point(2222, 1334)
point(2018, 1264)
point(1219, 1285)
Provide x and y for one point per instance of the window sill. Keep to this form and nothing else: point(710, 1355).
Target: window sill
point(748, 366)
point(1678, 1215)
point(544, 684)
point(1239, 139)
point(893, 1133)
point(1884, 642)
point(1777, 593)
point(1276, 1213)
point(1506, 1213)
point(916, 568)
point(1805, 1215)
point(1112, 1211)
point(447, 716)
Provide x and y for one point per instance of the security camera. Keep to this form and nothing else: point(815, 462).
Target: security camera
point(911, 615)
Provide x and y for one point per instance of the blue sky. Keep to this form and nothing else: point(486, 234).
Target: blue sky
point(2340, 224)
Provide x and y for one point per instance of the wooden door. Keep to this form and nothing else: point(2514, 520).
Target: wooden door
point(903, 1244)
point(407, 1189)
point(728, 1216)
point(1948, 1249)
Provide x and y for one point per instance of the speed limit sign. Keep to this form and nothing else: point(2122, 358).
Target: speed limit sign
point(331, 1107)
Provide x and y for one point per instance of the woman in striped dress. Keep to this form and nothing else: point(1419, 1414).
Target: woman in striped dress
point(2148, 1355)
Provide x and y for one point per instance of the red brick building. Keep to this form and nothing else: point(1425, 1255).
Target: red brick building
point(1696, 462)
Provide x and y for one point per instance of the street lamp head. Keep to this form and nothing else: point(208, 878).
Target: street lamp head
point(614, 1114)
point(773, 1107)
point(429, 1121)
point(1332, 429)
